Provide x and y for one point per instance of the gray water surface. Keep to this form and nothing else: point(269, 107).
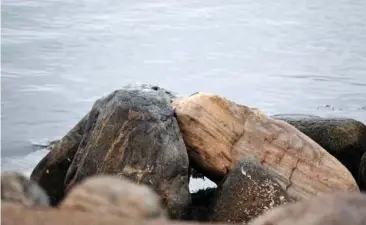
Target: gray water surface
point(58, 57)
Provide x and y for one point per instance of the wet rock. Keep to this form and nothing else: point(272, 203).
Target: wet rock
point(16, 188)
point(218, 133)
point(15, 215)
point(50, 172)
point(329, 209)
point(362, 174)
point(247, 192)
point(130, 132)
point(114, 195)
point(344, 138)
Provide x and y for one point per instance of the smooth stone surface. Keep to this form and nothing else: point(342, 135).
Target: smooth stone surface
point(218, 133)
point(248, 191)
point(114, 195)
point(344, 138)
point(16, 188)
point(131, 132)
point(329, 209)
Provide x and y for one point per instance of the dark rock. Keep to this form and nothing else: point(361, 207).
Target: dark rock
point(195, 171)
point(115, 195)
point(343, 138)
point(196, 174)
point(133, 132)
point(328, 209)
point(50, 172)
point(248, 191)
point(16, 188)
point(199, 209)
point(362, 174)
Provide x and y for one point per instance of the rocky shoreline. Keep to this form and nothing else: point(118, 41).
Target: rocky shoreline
point(129, 160)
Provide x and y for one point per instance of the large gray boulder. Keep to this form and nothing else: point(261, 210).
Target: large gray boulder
point(343, 138)
point(131, 132)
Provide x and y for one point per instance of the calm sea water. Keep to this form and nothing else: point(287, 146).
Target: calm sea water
point(282, 56)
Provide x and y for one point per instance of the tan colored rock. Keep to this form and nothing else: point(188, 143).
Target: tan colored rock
point(343, 138)
point(114, 195)
point(218, 133)
point(16, 215)
point(328, 209)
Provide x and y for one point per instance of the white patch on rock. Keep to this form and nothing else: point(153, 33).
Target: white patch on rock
point(243, 171)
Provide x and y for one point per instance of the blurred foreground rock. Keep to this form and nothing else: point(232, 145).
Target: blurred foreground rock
point(247, 192)
point(116, 196)
point(343, 138)
point(17, 189)
point(17, 215)
point(131, 132)
point(328, 209)
point(218, 133)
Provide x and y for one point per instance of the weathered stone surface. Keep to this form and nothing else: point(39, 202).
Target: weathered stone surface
point(15, 215)
point(218, 133)
point(16, 188)
point(114, 195)
point(50, 172)
point(329, 209)
point(344, 138)
point(362, 174)
point(131, 132)
point(247, 192)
